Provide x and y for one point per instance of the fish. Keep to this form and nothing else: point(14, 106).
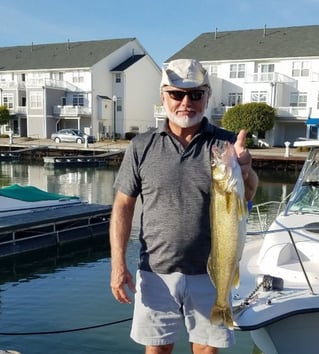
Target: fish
point(228, 217)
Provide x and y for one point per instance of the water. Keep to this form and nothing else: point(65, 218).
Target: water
point(68, 289)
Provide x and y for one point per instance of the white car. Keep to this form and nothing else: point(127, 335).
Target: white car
point(72, 136)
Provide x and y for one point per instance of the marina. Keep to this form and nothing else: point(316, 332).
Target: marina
point(110, 153)
point(61, 289)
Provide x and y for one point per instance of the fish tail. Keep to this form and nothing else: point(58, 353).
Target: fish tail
point(222, 315)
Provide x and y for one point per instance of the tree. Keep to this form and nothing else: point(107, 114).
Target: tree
point(253, 117)
point(4, 115)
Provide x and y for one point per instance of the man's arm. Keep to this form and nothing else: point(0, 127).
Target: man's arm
point(120, 230)
point(245, 161)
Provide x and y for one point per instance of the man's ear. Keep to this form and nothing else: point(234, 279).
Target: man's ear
point(162, 97)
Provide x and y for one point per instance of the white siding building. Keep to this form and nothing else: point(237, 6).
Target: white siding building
point(279, 66)
point(95, 86)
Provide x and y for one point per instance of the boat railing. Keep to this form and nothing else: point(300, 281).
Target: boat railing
point(266, 213)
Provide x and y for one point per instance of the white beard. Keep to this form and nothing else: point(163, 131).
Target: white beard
point(184, 121)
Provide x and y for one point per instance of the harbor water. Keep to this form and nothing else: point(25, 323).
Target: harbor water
point(59, 301)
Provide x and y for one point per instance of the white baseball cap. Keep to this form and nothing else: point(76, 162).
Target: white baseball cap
point(185, 74)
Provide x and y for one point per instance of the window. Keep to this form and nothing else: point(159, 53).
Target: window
point(36, 99)
point(78, 99)
point(266, 72)
point(8, 101)
point(237, 71)
point(300, 68)
point(234, 98)
point(119, 104)
point(298, 99)
point(118, 78)
point(258, 96)
point(78, 77)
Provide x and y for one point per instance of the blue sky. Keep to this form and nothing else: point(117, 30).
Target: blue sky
point(162, 27)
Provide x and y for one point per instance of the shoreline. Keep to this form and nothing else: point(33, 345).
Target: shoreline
point(270, 158)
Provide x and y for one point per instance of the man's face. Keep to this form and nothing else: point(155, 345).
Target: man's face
point(185, 107)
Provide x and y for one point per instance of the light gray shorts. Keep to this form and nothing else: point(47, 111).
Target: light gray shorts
point(166, 302)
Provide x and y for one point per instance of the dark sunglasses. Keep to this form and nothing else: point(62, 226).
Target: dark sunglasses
point(194, 95)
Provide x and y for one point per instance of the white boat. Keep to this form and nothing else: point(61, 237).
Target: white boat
point(16, 199)
point(278, 300)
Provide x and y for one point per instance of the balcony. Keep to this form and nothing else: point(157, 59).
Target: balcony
point(270, 78)
point(51, 83)
point(296, 113)
point(71, 111)
point(12, 85)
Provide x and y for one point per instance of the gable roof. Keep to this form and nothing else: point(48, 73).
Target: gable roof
point(58, 55)
point(127, 63)
point(253, 44)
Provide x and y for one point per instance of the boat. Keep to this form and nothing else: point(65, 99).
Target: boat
point(32, 219)
point(278, 299)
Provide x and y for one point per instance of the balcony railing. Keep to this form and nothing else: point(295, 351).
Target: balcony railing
point(7, 85)
point(293, 112)
point(37, 83)
point(269, 77)
point(73, 111)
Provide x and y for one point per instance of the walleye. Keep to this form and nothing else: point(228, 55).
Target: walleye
point(228, 215)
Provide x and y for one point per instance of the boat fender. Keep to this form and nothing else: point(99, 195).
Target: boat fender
point(270, 283)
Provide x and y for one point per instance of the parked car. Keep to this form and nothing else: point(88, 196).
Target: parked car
point(72, 136)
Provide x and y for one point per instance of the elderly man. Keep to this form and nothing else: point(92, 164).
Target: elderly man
point(170, 170)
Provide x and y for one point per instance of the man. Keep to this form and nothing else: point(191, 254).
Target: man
point(170, 169)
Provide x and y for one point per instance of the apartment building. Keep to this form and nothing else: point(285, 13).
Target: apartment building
point(279, 66)
point(102, 87)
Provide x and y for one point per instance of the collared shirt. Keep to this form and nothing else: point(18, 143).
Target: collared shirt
point(174, 185)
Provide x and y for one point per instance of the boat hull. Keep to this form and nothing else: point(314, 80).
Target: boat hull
point(296, 334)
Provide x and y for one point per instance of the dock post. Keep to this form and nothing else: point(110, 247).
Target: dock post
point(287, 143)
point(11, 137)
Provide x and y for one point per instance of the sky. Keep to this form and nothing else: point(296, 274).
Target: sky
point(162, 27)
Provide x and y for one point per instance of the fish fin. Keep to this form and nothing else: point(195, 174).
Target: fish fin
point(210, 270)
point(236, 280)
point(222, 315)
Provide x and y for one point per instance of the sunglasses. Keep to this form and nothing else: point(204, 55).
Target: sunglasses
point(194, 95)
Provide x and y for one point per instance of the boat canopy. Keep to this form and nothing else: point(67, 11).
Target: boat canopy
point(30, 194)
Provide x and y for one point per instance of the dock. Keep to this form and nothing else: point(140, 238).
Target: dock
point(111, 153)
point(109, 158)
point(278, 162)
point(53, 227)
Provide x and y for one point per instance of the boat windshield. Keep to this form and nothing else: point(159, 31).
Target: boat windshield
point(307, 198)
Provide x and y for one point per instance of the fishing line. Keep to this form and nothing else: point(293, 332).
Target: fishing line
point(65, 330)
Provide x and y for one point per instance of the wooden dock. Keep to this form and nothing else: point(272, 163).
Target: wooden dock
point(278, 161)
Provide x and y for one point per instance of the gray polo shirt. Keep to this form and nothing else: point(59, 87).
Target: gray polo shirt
point(174, 185)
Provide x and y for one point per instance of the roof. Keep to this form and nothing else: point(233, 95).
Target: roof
point(260, 43)
point(58, 55)
point(127, 63)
